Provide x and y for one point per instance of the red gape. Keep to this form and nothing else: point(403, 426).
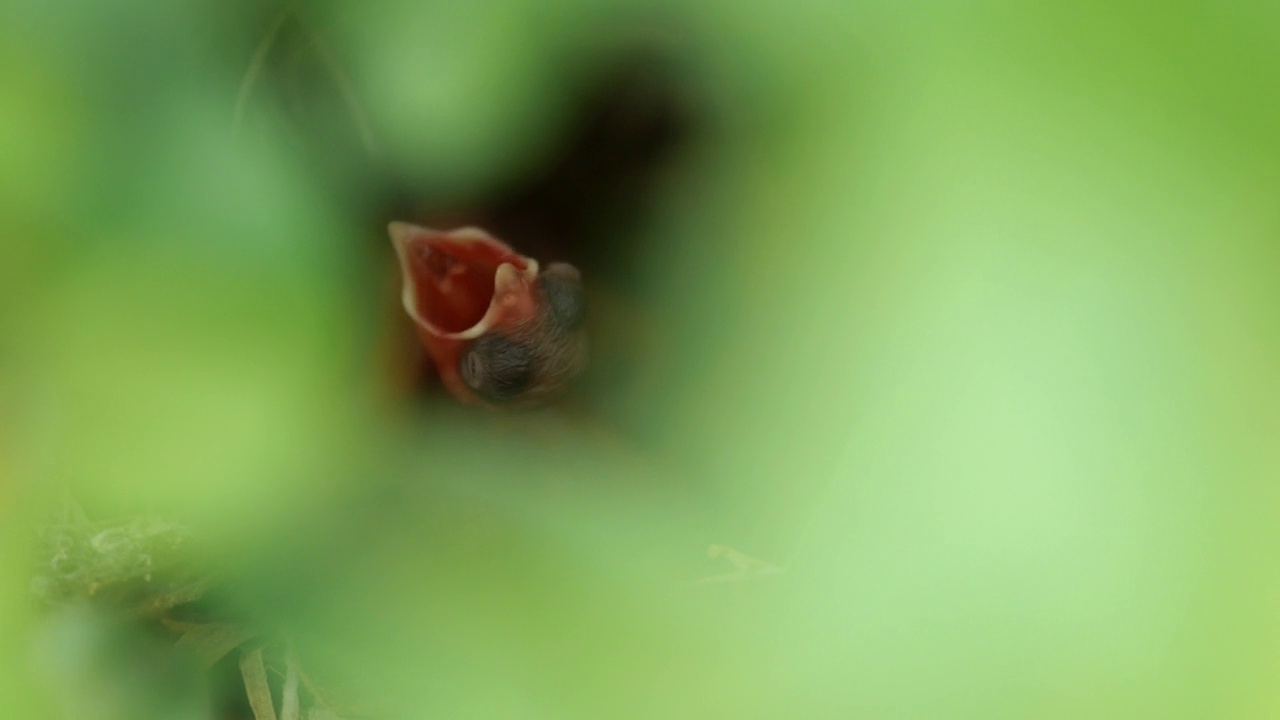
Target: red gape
point(459, 285)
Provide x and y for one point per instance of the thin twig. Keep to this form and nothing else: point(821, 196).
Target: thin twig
point(318, 696)
point(289, 693)
point(211, 642)
point(255, 67)
point(745, 567)
point(256, 686)
point(348, 93)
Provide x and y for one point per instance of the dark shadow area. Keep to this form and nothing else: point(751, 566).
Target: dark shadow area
point(625, 128)
point(626, 119)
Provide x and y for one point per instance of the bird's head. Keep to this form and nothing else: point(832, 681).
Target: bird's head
point(501, 329)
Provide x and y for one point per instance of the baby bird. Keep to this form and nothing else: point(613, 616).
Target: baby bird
point(501, 330)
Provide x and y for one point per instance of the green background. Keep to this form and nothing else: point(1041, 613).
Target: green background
point(970, 326)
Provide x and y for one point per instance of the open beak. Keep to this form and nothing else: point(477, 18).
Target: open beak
point(460, 284)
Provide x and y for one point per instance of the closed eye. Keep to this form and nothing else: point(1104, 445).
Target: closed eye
point(500, 368)
point(473, 370)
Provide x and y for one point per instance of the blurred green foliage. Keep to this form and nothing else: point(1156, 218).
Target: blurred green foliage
point(972, 329)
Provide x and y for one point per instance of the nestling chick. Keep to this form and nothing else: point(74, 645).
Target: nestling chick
point(500, 329)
